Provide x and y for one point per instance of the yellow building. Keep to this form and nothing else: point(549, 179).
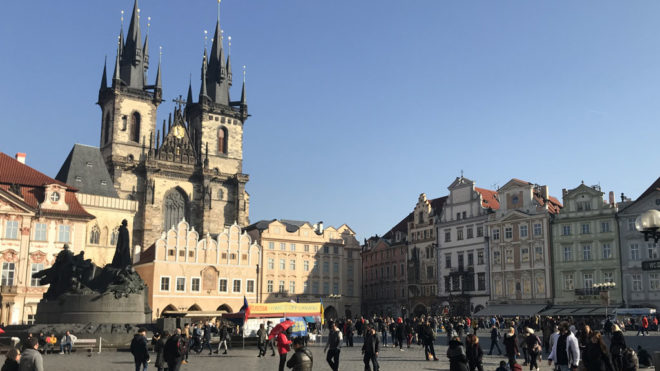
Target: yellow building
point(188, 272)
point(38, 215)
point(85, 169)
point(308, 263)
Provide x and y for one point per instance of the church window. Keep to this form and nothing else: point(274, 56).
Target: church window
point(95, 235)
point(106, 128)
point(135, 127)
point(113, 237)
point(222, 140)
point(175, 208)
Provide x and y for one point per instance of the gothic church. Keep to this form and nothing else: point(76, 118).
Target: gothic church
point(190, 167)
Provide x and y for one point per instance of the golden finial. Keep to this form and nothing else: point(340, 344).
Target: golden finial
point(148, 25)
point(206, 37)
point(229, 45)
point(160, 54)
point(222, 35)
point(138, 14)
point(122, 19)
point(219, 10)
point(244, 72)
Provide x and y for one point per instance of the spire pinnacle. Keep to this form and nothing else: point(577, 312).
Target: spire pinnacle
point(104, 77)
point(202, 90)
point(189, 98)
point(116, 76)
point(133, 63)
point(243, 93)
point(158, 78)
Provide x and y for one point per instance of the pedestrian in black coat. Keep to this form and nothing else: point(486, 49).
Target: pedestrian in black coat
point(456, 355)
point(595, 356)
point(158, 343)
point(474, 353)
point(370, 349)
point(11, 363)
point(139, 349)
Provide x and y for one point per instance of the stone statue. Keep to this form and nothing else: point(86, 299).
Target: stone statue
point(122, 258)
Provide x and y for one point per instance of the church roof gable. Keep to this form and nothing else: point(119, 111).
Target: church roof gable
point(85, 168)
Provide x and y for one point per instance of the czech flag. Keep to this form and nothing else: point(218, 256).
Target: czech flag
point(245, 308)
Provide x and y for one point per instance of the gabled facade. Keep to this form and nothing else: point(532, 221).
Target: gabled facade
point(192, 166)
point(308, 263)
point(384, 263)
point(422, 261)
point(186, 271)
point(640, 288)
point(463, 251)
point(520, 246)
point(38, 215)
point(585, 247)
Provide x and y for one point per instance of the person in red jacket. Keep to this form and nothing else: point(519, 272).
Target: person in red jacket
point(655, 323)
point(283, 346)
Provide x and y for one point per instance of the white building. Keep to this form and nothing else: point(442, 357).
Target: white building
point(463, 278)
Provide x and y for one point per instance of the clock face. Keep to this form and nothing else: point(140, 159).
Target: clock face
point(55, 196)
point(178, 131)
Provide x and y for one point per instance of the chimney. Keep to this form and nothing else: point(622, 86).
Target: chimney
point(564, 192)
point(623, 197)
point(611, 197)
point(20, 157)
point(544, 192)
point(320, 224)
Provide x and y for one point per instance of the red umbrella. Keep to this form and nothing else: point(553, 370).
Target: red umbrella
point(279, 328)
point(2, 331)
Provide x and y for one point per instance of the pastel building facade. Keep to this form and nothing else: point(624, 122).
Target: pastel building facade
point(520, 246)
point(188, 272)
point(586, 247)
point(307, 263)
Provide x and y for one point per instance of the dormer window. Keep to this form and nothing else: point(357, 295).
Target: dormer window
point(55, 196)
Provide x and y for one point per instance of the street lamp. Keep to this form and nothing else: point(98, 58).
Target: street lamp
point(649, 224)
point(604, 290)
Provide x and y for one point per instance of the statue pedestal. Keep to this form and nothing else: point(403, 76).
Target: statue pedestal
point(94, 308)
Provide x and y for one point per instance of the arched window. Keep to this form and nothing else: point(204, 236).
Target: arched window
point(135, 127)
point(175, 208)
point(221, 194)
point(106, 128)
point(95, 235)
point(222, 140)
point(114, 236)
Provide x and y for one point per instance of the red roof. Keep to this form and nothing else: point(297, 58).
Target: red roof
point(31, 183)
point(488, 198)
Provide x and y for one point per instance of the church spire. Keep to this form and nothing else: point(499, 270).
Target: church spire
point(104, 77)
point(216, 76)
point(116, 76)
point(189, 98)
point(132, 58)
point(229, 61)
point(203, 93)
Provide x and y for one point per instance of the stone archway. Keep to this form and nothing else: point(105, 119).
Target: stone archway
point(169, 308)
point(194, 308)
point(419, 309)
point(225, 307)
point(330, 313)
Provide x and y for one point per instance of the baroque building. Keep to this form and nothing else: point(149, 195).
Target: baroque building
point(585, 247)
point(422, 261)
point(640, 288)
point(520, 248)
point(463, 247)
point(308, 263)
point(189, 168)
point(384, 264)
point(38, 216)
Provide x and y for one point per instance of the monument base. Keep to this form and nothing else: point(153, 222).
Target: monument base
point(93, 308)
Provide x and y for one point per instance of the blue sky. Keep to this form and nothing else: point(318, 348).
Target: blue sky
point(359, 106)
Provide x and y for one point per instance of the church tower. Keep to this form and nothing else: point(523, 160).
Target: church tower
point(190, 168)
point(128, 107)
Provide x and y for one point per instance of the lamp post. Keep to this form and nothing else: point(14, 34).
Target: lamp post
point(648, 223)
point(604, 290)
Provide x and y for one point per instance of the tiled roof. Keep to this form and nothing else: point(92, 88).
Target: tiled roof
point(31, 184)
point(489, 198)
point(437, 203)
point(148, 255)
point(521, 182)
point(553, 203)
point(654, 187)
point(85, 168)
point(14, 172)
point(401, 227)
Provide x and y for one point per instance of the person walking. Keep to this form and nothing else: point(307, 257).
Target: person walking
point(349, 333)
point(456, 355)
point(158, 342)
point(302, 359)
point(11, 363)
point(283, 346)
point(370, 349)
point(474, 353)
point(206, 338)
point(534, 349)
point(644, 326)
point(31, 359)
point(494, 339)
point(224, 335)
point(427, 339)
point(565, 353)
point(617, 346)
point(332, 347)
point(262, 338)
point(511, 345)
point(271, 342)
point(139, 350)
point(400, 331)
point(175, 350)
point(595, 356)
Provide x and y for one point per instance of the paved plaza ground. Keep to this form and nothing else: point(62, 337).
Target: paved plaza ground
point(239, 359)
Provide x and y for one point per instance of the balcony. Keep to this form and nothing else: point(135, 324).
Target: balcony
point(6, 289)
